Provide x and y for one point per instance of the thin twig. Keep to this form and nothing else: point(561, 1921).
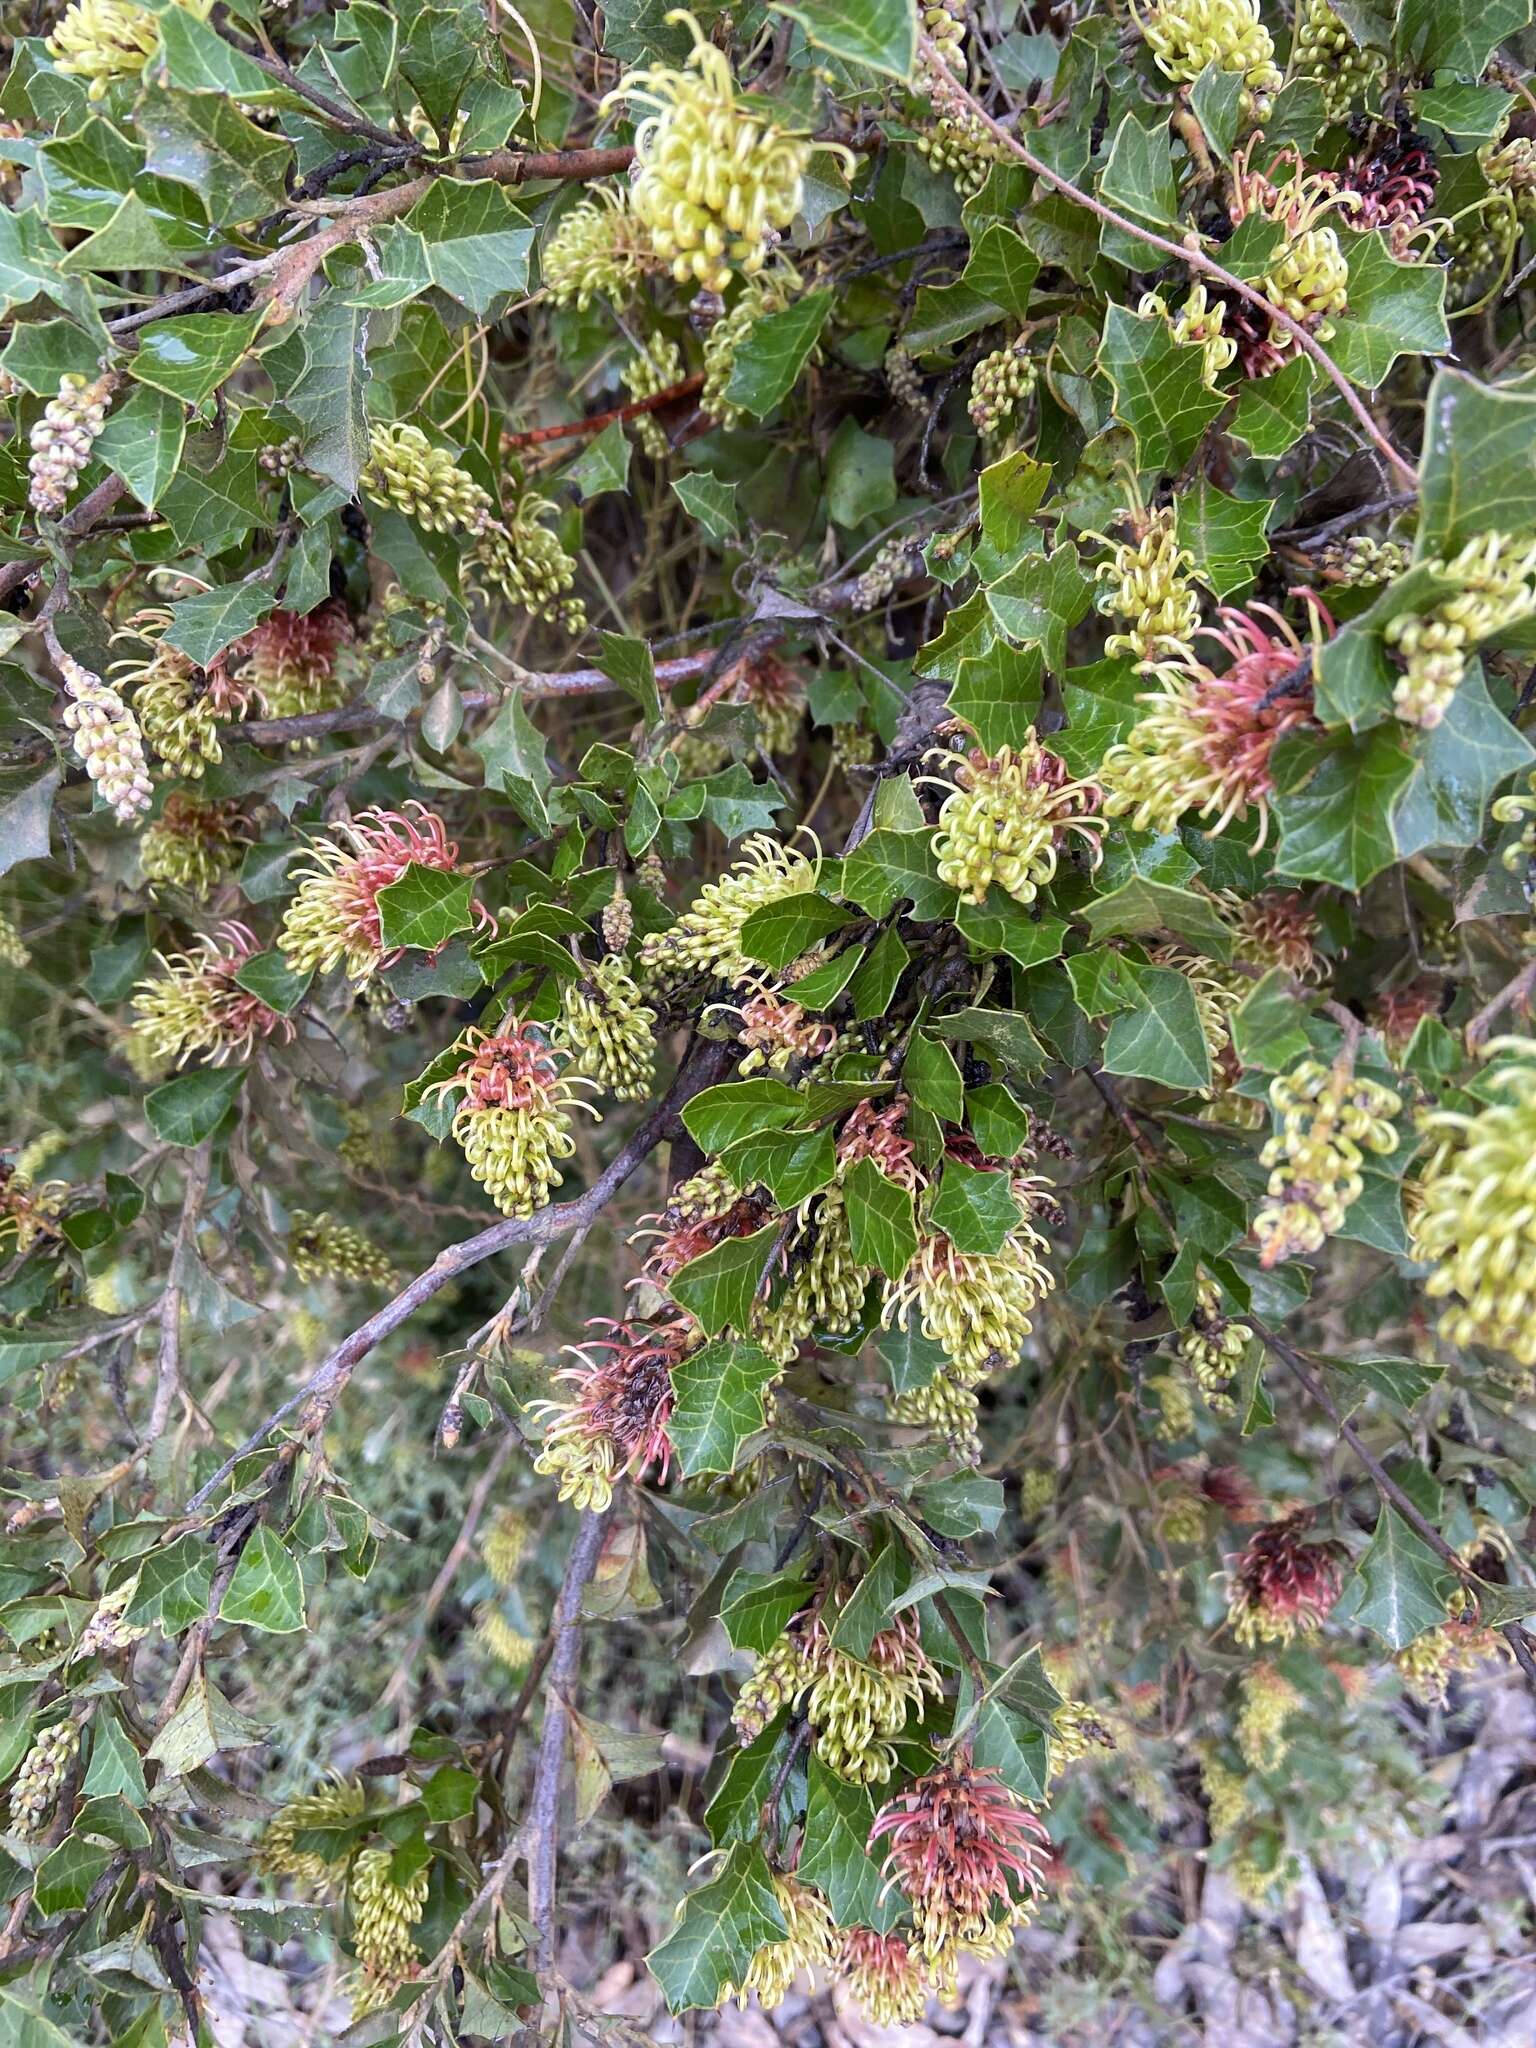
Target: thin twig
point(535, 437)
point(1520, 990)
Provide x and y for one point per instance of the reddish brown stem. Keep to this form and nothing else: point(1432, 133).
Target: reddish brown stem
point(535, 437)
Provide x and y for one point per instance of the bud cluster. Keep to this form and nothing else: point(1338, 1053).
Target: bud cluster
point(107, 739)
point(106, 1633)
point(1005, 818)
point(13, 948)
point(1495, 575)
point(1199, 323)
point(41, 1778)
point(1214, 1344)
point(767, 293)
point(525, 559)
point(63, 438)
point(1000, 384)
point(1360, 562)
point(1185, 36)
point(289, 661)
point(1327, 52)
point(513, 1122)
point(1427, 1664)
point(1281, 1585)
point(608, 1031)
point(902, 380)
point(384, 1912)
point(1326, 1119)
point(978, 1307)
point(1268, 1702)
point(1150, 588)
point(655, 368)
point(334, 1806)
point(960, 143)
point(320, 1248)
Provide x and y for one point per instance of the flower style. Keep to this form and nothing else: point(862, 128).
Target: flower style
point(856, 1705)
point(1398, 1013)
point(608, 1031)
point(1150, 589)
point(951, 1411)
point(599, 249)
point(197, 1006)
point(706, 939)
point(878, 1134)
point(810, 1944)
point(1281, 1585)
point(886, 1979)
point(717, 180)
point(1395, 185)
point(1275, 930)
point(1495, 579)
point(27, 1212)
point(826, 1284)
point(192, 845)
point(1476, 1220)
point(1199, 323)
point(513, 1122)
point(1308, 277)
point(617, 1424)
point(1185, 36)
point(970, 1857)
point(383, 1915)
point(1206, 741)
point(103, 40)
point(1326, 1118)
point(1005, 818)
point(978, 1307)
point(334, 919)
point(778, 1033)
point(701, 1213)
point(1213, 1345)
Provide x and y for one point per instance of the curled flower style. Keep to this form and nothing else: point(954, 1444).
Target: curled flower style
point(1268, 1702)
point(1427, 1664)
point(103, 40)
point(1185, 36)
point(513, 1123)
point(769, 292)
point(1475, 1221)
point(701, 1213)
point(960, 144)
point(196, 1005)
point(778, 1677)
point(809, 1945)
point(970, 1857)
point(886, 1979)
point(1326, 1118)
point(1006, 817)
point(1213, 1345)
point(778, 1033)
point(879, 1134)
point(1275, 930)
point(717, 178)
point(28, 1212)
point(1206, 741)
point(951, 1411)
point(1394, 185)
point(706, 939)
point(384, 1912)
point(608, 1031)
point(334, 1806)
point(320, 1248)
point(826, 1283)
point(1308, 276)
point(1281, 1585)
point(857, 1705)
point(600, 248)
point(1199, 323)
point(1495, 579)
point(334, 920)
point(192, 845)
point(1148, 586)
point(406, 470)
point(978, 1307)
point(656, 367)
point(289, 661)
point(616, 1426)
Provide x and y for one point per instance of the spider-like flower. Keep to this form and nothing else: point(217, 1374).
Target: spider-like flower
point(778, 1033)
point(1213, 1345)
point(288, 662)
point(1398, 1013)
point(779, 1676)
point(655, 368)
point(44, 1771)
point(1326, 1119)
point(608, 1030)
point(950, 1410)
point(320, 1248)
point(1185, 36)
point(1149, 587)
point(616, 1426)
point(977, 1306)
point(810, 1944)
point(1275, 930)
point(384, 1912)
point(1006, 817)
point(886, 1979)
point(334, 919)
point(775, 690)
point(1495, 579)
point(1395, 185)
point(27, 1212)
point(1199, 323)
point(970, 1857)
point(599, 249)
point(879, 1134)
point(1281, 1585)
point(825, 1288)
point(1206, 740)
point(333, 1807)
point(406, 470)
point(103, 40)
point(1427, 1663)
point(196, 1006)
point(717, 178)
point(770, 292)
point(1308, 276)
point(1476, 1219)
point(192, 845)
point(857, 1705)
point(513, 1121)
point(525, 559)
point(706, 939)
point(701, 1213)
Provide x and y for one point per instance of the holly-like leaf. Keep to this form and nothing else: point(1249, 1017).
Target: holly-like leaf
point(266, 1591)
point(1159, 1036)
point(880, 35)
point(711, 502)
point(719, 1287)
point(1272, 411)
point(424, 908)
point(781, 932)
point(1160, 389)
point(191, 1108)
point(1394, 309)
point(1225, 535)
point(26, 815)
point(834, 1852)
point(880, 1219)
point(1479, 465)
point(190, 357)
point(975, 1208)
point(203, 626)
point(1402, 1583)
point(1335, 805)
point(1460, 763)
point(172, 1588)
point(756, 1607)
point(719, 1404)
point(767, 365)
point(724, 1116)
point(719, 1927)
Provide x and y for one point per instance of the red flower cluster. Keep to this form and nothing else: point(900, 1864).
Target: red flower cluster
point(289, 660)
point(1282, 1585)
point(876, 1134)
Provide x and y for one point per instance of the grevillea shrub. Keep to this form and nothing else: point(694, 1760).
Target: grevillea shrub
point(768, 1181)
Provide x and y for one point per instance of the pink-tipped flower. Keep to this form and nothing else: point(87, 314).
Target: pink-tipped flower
point(878, 1134)
point(617, 1423)
point(196, 1005)
point(1282, 1586)
point(1277, 930)
point(289, 660)
point(778, 1033)
point(513, 1118)
point(687, 1229)
point(1207, 740)
point(1399, 1013)
point(334, 918)
point(970, 1857)
point(886, 1979)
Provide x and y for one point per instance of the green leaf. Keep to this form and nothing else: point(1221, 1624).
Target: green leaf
point(115, 1767)
point(1159, 1037)
point(424, 908)
point(879, 34)
point(780, 932)
point(1460, 764)
point(1272, 412)
point(1402, 1583)
point(517, 761)
point(1456, 36)
point(1267, 1026)
point(204, 141)
point(450, 1794)
point(867, 1608)
point(477, 244)
point(628, 661)
point(1394, 309)
point(756, 1607)
point(719, 1403)
point(834, 1852)
point(932, 1078)
point(1003, 268)
point(1479, 464)
point(963, 1505)
point(204, 625)
point(719, 1928)
point(198, 59)
point(1225, 535)
point(720, 1286)
point(190, 357)
point(878, 976)
point(329, 396)
point(143, 441)
point(26, 816)
point(735, 1808)
point(269, 976)
point(712, 503)
point(861, 475)
point(999, 1123)
point(1144, 904)
point(29, 268)
point(603, 465)
point(1038, 601)
point(887, 868)
point(1013, 1747)
point(64, 1878)
point(975, 1207)
point(266, 1591)
point(1160, 392)
point(880, 1219)
point(191, 1108)
point(792, 1166)
point(768, 363)
point(204, 1724)
point(1139, 180)
point(173, 1585)
point(1217, 98)
point(1335, 805)
point(718, 1117)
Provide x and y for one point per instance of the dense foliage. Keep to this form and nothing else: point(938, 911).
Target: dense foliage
point(770, 849)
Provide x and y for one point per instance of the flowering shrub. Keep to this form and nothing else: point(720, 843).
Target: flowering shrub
point(769, 1006)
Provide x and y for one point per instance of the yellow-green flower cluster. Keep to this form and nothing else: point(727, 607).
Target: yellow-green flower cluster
point(1214, 1344)
point(1268, 1702)
point(1199, 323)
point(1149, 587)
point(1495, 574)
point(525, 559)
point(107, 1632)
point(406, 470)
point(826, 1285)
point(885, 1977)
point(499, 1639)
point(1185, 36)
point(320, 1248)
point(951, 1411)
point(1327, 52)
point(63, 438)
point(706, 939)
point(777, 1678)
point(513, 1122)
point(1359, 561)
point(959, 143)
point(384, 1911)
point(717, 180)
point(608, 1030)
point(1426, 1665)
point(656, 368)
point(332, 1807)
point(107, 740)
point(944, 25)
point(13, 948)
point(41, 1778)
point(978, 1307)
point(769, 293)
point(504, 1544)
point(599, 249)
point(1326, 1119)
point(1005, 818)
point(810, 1944)
point(103, 40)
point(1000, 384)
point(1175, 1404)
point(1226, 1796)
point(192, 845)
point(1475, 1221)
